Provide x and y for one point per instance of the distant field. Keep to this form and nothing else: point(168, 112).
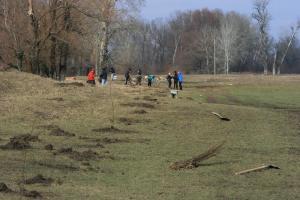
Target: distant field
point(151, 131)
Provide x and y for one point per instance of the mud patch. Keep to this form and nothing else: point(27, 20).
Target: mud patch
point(4, 188)
point(140, 105)
point(113, 140)
point(61, 133)
point(39, 179)
point(73, 84)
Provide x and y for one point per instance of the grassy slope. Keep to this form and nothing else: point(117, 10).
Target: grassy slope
point(264, 129)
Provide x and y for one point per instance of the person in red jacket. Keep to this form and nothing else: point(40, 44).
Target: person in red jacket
point(91, 77)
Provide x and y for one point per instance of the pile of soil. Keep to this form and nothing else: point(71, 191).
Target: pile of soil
point(60, 132)
point(20, 142)
point(56, 99)
point(31, 194)
point(79, 156)
point(39, 179)
point(110, 130)
point(140, 112)
point(4, 188)
point(58, 166)
point(113, 140)
point(148, 98)
point(137, 104)
point(72, 84)
point(49, 147)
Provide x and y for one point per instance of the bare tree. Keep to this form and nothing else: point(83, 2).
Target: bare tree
point(294, 31)
point(262, 16)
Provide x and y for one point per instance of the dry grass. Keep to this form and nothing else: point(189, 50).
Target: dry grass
point(131, 160)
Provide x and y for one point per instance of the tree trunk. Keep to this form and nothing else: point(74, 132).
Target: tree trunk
point(215, 70)
point(274, 63)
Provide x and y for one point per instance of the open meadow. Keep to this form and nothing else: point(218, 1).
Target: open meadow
point(63, 133)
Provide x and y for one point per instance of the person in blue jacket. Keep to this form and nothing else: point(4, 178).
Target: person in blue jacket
point(180, 80)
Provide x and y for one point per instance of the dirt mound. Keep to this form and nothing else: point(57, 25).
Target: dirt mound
point(80, 156)
point(140, 105)
point(140, 112)
point(4, 188)
point(20, 142)
point(113, 140)
point(49, 147)
point(72, 84)
point(56, 99)
point(148, 98)
point(39, 179)
point(58, 166)
point(110, 130)
point(130, 121)
point(60, 132)
point(30, 194)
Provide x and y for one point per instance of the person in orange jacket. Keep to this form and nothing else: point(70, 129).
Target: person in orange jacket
point(91, 77)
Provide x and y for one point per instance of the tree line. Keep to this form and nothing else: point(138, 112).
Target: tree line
point(55, 37)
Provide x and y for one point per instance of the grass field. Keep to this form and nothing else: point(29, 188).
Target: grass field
point(152, 131)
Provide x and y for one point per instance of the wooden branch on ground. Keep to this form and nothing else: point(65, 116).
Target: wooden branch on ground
point(221, 117)
point(263, 167)
point(194, 162)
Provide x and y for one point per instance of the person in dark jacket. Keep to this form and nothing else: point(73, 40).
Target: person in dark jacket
point(139, 77)
point(113, 73)
point(175, 78)
point(169, 79)
point(127, 76)
point(103, 76)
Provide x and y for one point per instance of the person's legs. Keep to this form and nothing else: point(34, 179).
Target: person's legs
point(176, 85)
point(180, 85)
point(104, 81)
point(170, 84)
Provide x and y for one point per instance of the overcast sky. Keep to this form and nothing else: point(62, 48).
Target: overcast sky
point(284, 12)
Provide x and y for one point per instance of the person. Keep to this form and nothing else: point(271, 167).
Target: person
point(150, 80)
point(139, 77)
point(127, 76)
point(169, 79)
point(113, 73)
point(103, 77)
point(180, 80)
point(175, 78)
point(91, 76)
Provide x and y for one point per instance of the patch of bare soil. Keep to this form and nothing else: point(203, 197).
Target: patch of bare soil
point(4, 188)
point(80, 156)
point(190, 98)
point(113, 140)
point(207, 86)
point(72, 84)
point(39, 179)
point(20, 142)
point(45, 115)
point(140, 112)
point(139, 104)
point(60, 132)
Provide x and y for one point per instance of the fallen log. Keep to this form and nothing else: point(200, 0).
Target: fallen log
point(195, 162)
point(221, 117)
point(256, 169)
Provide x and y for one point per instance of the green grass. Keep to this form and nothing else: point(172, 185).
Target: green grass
point(176, 129)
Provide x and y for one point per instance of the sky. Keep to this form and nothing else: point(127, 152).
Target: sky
point(284, 12)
